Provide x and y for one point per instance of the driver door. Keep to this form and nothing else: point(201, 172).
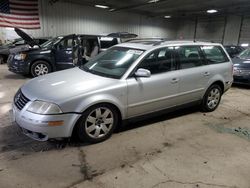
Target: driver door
point(160, 90)
point(64, 53)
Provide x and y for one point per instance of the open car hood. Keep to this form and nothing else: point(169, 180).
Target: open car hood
point(30, 41)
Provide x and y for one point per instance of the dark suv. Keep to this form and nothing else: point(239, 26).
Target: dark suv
point(233, 51)
point(59, 53)
point(242, 67)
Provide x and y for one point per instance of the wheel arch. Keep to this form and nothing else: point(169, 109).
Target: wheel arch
point(117, 109)
point(219, 83)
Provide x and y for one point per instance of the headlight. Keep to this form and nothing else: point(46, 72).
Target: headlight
point(20, 56)
point(41, 107)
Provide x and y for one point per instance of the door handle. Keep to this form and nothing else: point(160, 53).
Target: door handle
point(175, 80)
point(206, 74)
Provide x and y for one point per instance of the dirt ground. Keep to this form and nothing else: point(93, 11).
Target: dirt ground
point(186, 148)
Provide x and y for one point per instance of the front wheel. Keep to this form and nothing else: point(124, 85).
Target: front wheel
point(2, 59)
point(212, 98)
point(40, 68)
point(97, 123)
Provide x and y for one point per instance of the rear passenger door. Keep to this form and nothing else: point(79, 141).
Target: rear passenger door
point(193, 74)
point(218, 64)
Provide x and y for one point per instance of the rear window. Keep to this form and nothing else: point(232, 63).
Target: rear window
point(107, 42)
point(214, 54)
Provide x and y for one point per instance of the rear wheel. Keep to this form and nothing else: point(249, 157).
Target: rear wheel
point(40, 68)
point(97, 123)
point(212, 98)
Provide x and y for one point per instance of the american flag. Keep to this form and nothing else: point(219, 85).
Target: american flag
point(19, 13)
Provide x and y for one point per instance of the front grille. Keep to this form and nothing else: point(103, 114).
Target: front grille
point(242, 72)
point(20, 100)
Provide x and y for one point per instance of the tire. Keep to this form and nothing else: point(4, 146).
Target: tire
point(2, 59)
point(97, 123)
point(211, 99)
point(40, 68)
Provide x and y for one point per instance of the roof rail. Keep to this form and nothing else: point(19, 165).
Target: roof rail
point(204, 41)
point(146, 39)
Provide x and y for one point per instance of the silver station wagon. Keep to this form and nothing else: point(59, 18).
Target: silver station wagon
point(128, 80)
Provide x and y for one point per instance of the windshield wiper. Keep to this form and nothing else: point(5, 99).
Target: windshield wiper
point(85, 68)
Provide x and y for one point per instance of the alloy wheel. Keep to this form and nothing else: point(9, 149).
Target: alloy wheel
point(99, 122)
point(41, 69)
point(213, 98)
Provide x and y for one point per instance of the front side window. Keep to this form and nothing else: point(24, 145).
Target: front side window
point(113, 62)
point(65, 43)
point(214, 54)
point(189, 57)
point(159, 61)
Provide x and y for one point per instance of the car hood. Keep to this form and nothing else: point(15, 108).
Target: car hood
point(242, 63)
point(26, 37)
point(61, 86)
point(5, 47)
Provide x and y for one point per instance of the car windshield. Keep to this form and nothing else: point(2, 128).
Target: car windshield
point(51, 42)
point(245, 54)
point(112, 63)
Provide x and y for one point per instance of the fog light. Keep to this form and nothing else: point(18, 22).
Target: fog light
point(55, 123)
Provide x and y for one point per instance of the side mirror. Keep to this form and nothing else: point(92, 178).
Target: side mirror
point(142, 73)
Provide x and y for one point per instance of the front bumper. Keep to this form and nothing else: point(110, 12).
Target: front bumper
point(36, 125)
point(242, 79)
point(17, 66)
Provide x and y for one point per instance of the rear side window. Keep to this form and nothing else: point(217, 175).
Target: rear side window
point(107, 42)
point(214, 54)
point(189, 57)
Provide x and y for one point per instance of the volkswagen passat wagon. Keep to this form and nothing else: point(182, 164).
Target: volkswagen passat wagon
point(128, 80)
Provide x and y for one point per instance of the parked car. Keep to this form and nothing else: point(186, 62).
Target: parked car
point(242, 67)
point(5, 49)
point(59, 53)
point(233, 50)
point(126, 81)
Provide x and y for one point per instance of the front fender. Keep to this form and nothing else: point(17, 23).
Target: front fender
point(97, 99)
point(103, 98)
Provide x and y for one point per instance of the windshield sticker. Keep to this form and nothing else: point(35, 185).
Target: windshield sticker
point(136, 52)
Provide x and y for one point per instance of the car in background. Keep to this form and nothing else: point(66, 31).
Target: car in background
point(59, 53)
point(233, 50)
point(5, 49)
point(241, 71)
point(128, 80)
